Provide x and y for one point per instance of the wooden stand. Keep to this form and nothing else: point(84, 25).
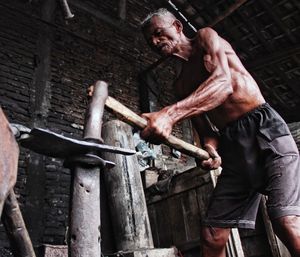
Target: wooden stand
point(17, 233)
point(125, 192)
point(162, 252)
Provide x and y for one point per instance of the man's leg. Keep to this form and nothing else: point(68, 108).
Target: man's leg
point(287, 228)
point(214, 241)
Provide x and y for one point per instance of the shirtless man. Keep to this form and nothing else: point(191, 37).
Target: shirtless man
point(258, 152)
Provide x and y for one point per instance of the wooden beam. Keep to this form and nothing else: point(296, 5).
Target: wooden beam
point(256, 30)
point(225, 14)
point(278, 22)
point(273, 58)
point(122, 10)
point(296, 3)
point(294, 85)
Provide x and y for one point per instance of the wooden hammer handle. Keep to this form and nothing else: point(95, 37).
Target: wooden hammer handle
point(132, 118)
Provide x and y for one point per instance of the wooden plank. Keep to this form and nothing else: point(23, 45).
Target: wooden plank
point(277, 247)
point(203, 195)
point(185, 181)
point(234, 245)
point(154, 225)
point(270, 233)
point(176, 219)
point(256, 246)
point(191, 215)
point(163, 224)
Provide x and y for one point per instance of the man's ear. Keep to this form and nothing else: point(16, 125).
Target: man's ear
point(178, 25)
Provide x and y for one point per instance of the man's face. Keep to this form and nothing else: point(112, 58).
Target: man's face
point(162, 35)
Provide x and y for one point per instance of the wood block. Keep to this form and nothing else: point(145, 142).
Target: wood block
point(55, 251)
point(160, 252)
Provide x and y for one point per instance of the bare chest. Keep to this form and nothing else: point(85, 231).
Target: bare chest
point(193, 73)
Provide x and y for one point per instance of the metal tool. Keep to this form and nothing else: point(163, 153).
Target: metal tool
point(48, 143)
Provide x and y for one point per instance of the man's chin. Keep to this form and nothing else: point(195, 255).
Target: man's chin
point(165, 53)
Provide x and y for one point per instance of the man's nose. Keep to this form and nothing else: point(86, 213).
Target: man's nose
point(155, 41)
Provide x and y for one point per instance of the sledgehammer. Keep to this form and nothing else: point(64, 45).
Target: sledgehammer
point(135, 120)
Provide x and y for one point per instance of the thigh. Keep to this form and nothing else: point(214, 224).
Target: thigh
point(283, 187)
point(233, 203)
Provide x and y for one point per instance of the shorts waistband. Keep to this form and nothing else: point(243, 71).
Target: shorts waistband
point(247, 114)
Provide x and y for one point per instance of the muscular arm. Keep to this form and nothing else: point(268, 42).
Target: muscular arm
point(212, 92)
point(209, 94)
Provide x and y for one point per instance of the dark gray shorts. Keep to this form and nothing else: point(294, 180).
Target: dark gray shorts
point(259, 156)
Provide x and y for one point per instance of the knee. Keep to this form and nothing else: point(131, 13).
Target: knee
point(287, 228)
point(215, 238)
point(287, 224)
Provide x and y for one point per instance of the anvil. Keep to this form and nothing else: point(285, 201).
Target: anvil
point(51, 144)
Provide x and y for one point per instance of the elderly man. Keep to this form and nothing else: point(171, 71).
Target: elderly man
point(259, 155)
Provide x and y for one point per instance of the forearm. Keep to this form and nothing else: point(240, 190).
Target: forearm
point(210, 94)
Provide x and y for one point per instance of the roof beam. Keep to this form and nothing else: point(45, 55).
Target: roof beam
point(273, 58)
point(294, 85)
point(225, 14)
point(277, 20)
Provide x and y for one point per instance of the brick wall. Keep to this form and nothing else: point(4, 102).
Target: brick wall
point(46, 66)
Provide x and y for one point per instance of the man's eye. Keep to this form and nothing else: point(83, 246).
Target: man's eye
point(157, 33)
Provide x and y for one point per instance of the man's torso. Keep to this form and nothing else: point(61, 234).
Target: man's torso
point(246, 94)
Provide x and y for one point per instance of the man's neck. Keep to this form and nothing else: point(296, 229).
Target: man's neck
point(184, 49)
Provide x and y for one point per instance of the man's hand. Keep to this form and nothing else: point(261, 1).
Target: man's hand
point(159, 126)
point(214, 162)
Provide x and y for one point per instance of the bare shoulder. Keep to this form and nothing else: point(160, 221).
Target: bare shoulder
point(207, 38)
point(210, 40)
point(206, 31)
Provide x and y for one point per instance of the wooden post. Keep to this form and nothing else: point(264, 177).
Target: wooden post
point(125, 192)
point(278, 249)
point(85, 238)
point(15, 227)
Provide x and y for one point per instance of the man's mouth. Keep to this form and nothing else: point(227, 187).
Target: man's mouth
point(163, 46)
